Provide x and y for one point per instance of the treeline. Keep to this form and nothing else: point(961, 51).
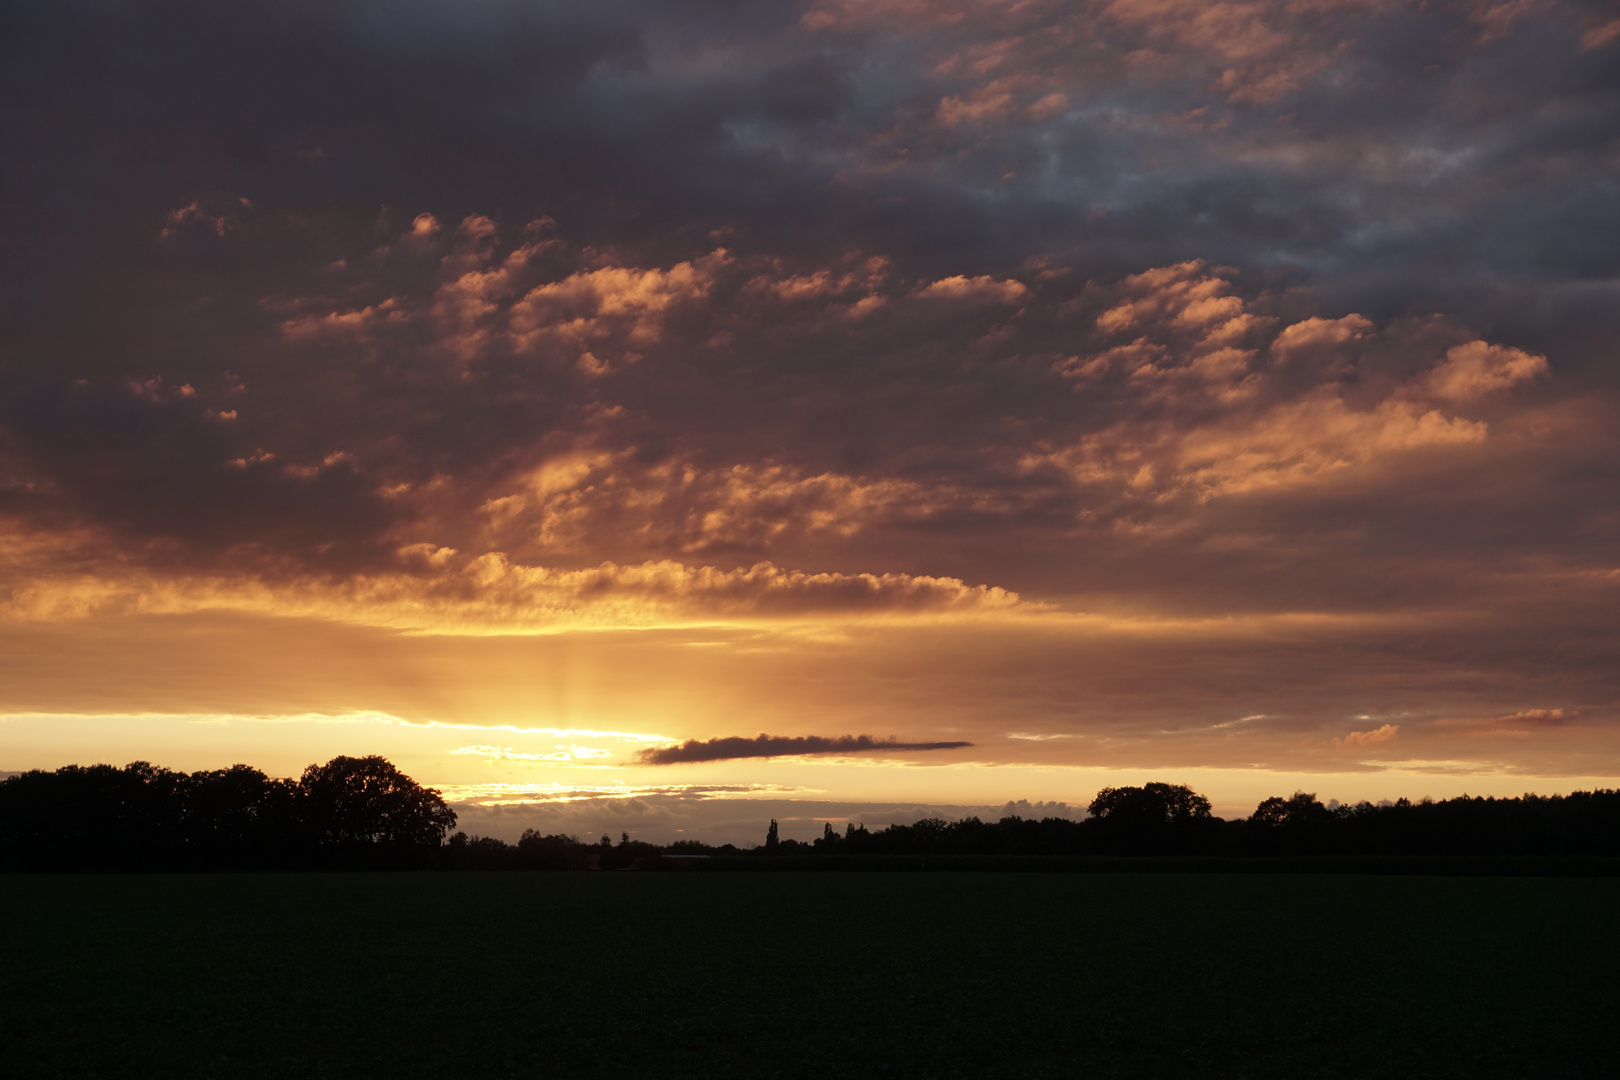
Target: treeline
point(350, 812)
point(1165, 820)
point(1158, 820)
point(363, 813)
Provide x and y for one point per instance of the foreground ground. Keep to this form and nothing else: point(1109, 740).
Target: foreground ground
point(808, 975)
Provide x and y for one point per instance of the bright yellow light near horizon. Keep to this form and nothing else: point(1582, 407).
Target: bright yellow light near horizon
point(521, 794)
point(564, 754)
point(283, 745)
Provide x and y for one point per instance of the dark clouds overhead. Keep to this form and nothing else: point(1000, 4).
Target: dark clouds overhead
point(788, 310)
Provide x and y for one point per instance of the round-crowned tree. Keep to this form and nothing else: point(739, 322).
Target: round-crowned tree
point(1155, 819)
point(1151, 804)
point(367, 800)
point(1297, 825)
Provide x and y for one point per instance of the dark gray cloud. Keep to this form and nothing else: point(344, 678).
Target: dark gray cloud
point(770, 746)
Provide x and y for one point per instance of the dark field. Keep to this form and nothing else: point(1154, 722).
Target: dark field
point(813, 975)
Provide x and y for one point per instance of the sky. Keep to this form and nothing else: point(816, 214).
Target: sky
point(661, 417)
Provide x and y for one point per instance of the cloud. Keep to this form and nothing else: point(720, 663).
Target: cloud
point(1264, 402)
point(1319, 333)
point(481, 301)
point(1193, 387)
point(1308, 440)
point(489, 594)
point(1525, 722)
point(574, 502)
point(770, 746)
point(1601, 35)
point(1360, 740)
point(1538, 718)
point(962, 289)
point(619, 307)
point(1472, 371)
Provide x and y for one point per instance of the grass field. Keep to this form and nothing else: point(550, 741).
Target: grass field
point(808, 975)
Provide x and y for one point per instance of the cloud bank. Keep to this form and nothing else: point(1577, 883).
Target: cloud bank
point(770, 746)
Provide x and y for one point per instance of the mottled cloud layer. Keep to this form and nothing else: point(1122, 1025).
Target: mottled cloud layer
point(1291, 322)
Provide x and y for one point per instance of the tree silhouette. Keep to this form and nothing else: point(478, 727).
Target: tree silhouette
point(362, 813)
point(1296, 825)
point(1154, 802)
point(553, 852)
point(1153, 819)
point(350, 801)
point(237, 817)
point(1300, 808)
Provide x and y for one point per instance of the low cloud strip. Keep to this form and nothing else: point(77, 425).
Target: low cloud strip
point(764, 746)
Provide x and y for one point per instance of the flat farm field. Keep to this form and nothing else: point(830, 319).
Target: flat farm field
point(808, 975)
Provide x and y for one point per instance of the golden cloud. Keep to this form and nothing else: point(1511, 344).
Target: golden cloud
point(1360, 740)
point(1213, 417)
point(489, 594)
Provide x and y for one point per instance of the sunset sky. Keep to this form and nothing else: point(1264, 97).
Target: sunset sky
point(1056, 394)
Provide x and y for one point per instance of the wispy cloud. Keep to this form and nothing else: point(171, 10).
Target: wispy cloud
point(1525, 722)
point(1360, 740)
point(563, 755)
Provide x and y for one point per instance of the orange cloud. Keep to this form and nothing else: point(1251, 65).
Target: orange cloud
point(961, 288)
point(1236, 423)
point(571, 503)
point(489, 594)
point(1316, 333)
point(1539, 718)
point(1477, 369)
point(614, 302)
point(1360, 740)
point(1601, 36)
point(1520, 724)
point(1254, 53)
point(615, 310)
